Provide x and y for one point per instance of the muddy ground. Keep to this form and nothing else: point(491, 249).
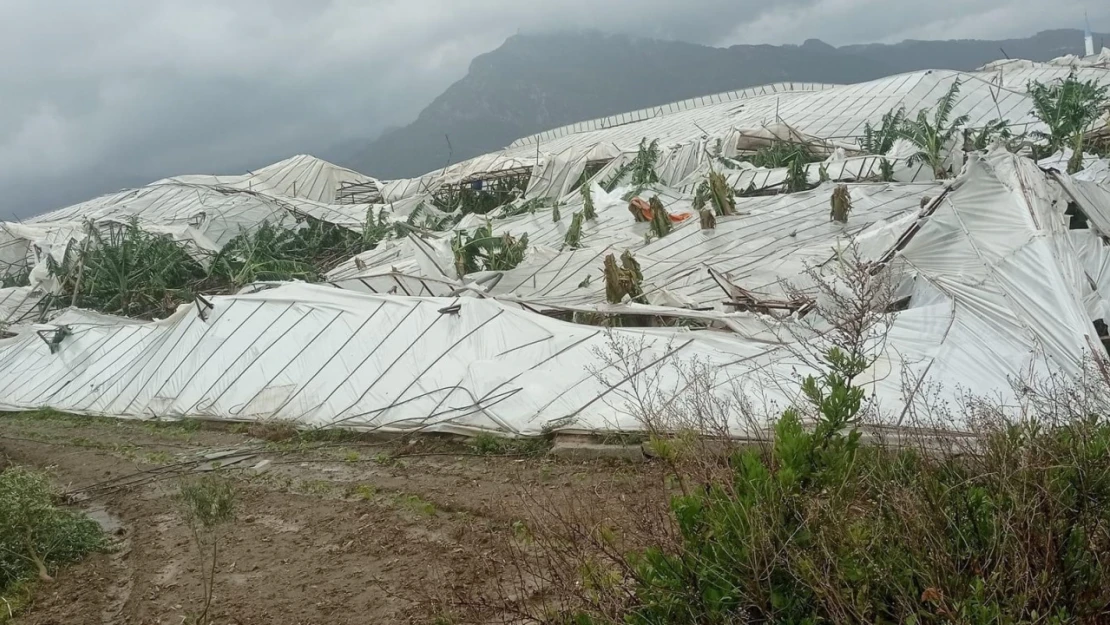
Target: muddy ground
point(328, 532)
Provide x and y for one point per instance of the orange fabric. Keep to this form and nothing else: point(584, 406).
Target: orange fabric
point(645, 210)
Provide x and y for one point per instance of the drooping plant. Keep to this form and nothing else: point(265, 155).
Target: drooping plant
point(701, 195)
point(840, 204)
point(721, 194)
point(932, 133)
point(643, 166)
point(588, 210)
point(886, 170)
point(623, 280)
point(269, 252)
point(1068, 108)
point(879, 141)
point(125, 270)
point(573, 238)
point(615, 177)
point(485, 251)
point(982, 138)
point(797, 176)
point(660, 218)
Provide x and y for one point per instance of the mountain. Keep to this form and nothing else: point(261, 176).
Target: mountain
point(536, 82)
point(967, 54)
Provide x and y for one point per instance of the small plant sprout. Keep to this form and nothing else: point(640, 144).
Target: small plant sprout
point(208, 504)
point(841, 204)
point(555, 216)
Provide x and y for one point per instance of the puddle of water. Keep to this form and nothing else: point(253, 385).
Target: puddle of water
point(107, 521)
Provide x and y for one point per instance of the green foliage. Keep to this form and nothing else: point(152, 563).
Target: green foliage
point(886, 170)
point(424, 218)
point(933, 133)
point(269, 252)
point(573, 238)
point(1068, 108)
point(588, 210)
point(623, 280)
point(491, 445)
point(783, 154)
point(588, 172)
point(797, 177)
point(125, 270)
point(128, 271)
point(35, 534)
point(16, 277)
point(721, 194)
point(982, 138)
point(660, 219)
point(643, 166)
point(880, 140)
point(816, 529)
point(483, 251)
point(466, 198)
point(615, 178)
point(208, 502)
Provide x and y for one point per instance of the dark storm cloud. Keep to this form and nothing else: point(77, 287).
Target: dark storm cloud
point(100, 95)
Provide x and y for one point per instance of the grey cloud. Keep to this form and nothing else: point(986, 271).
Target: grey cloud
point(100, 95)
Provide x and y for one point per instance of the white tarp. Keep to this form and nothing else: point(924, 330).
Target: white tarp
point(1001, 291)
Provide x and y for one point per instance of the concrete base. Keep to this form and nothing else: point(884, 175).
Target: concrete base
point(579, 451)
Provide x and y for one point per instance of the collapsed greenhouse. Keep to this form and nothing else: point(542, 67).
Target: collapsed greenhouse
point(592, 276)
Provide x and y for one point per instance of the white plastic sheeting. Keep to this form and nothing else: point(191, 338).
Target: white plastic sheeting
point(301, 177)
point(321, 357)
point(1001, 292)
point(772, 240)
point(830, 113)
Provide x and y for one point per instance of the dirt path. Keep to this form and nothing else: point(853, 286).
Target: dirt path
point(328, 532)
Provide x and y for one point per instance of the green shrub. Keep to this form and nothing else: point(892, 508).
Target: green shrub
point(128, 271)
point(816, 528)
point(35, 534)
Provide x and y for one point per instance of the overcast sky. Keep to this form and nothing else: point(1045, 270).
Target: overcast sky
point(100, 95)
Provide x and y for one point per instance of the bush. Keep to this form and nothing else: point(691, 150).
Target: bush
point(816, 528)
point(35, 534)
point(128, 271)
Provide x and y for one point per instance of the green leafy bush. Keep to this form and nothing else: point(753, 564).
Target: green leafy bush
point(126, 270)
point(1068, 108)
point(36, 535)
point(817, 528)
